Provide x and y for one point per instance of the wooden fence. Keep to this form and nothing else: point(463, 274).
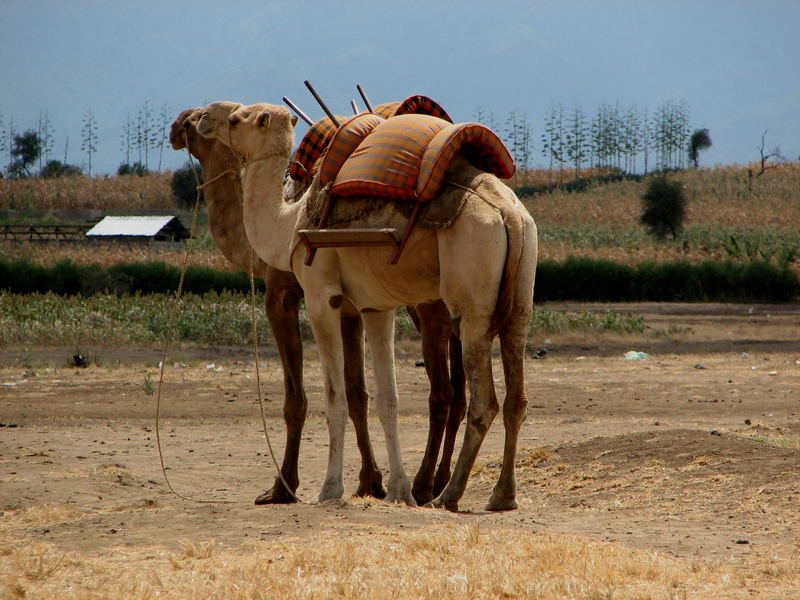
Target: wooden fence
point(69, 233)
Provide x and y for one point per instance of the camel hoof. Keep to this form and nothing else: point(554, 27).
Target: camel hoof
point(502, 503)
point(404, 498)
point(278, 494)
point(422, 497)
point(441, 503)
point(372, 488)
point(331, 491)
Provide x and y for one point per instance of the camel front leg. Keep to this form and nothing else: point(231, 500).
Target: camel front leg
point(483, 408)
point(282, 306)
point(380, 335)
point(326, 325)
point(370, 480)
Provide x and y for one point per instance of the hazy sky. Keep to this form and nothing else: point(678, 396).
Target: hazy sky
point(735, 63)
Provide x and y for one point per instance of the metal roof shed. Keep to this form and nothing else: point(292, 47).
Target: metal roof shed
point(157, 228)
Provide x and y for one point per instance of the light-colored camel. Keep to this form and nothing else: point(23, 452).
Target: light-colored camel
point(223, 195)
point(482, 267)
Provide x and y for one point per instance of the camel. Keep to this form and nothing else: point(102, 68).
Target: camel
point(223, 194)
point(482, 267)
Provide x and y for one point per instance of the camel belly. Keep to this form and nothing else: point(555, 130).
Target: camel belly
point(371, 283)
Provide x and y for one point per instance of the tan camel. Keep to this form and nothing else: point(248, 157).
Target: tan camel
point(482, 267)
point(223, 195)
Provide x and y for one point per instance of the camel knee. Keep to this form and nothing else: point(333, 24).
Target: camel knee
point(481, 421)
point(515, 409)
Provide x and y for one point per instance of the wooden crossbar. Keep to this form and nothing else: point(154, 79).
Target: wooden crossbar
point(346, 238)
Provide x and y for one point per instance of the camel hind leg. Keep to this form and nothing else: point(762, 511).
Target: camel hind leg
point(513, 337)
point(512, 348)
point(483, 408)
point(458, 410)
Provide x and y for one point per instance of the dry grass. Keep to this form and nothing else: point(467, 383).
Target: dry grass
point(602, 222)
point(110, 254)
point(449, 561)
point(719, 197)
point(73, 193)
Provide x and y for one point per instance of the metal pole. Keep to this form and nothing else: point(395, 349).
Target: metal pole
point(321, 103)
point(299, 112)
point(364, 98)
point(354, 106)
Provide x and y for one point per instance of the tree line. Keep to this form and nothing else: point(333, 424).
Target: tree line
point(625, 138)
point(32, 151)
point(622, 137)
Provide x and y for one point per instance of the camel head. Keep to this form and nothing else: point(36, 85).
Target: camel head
point(183, 128)
point(254, 131)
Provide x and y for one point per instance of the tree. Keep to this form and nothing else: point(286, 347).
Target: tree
point(184, 185)
point(7, 141)
point(553, 140)
point(136, 168)
point(45, 131)
point(144, 132)
point(127, 139)
point(55, 168)
point(664, 207)
point(159, 136)
point(700, 140)
point(89, 138)
point(519, 140)
point(671, 134)
point(766, 156)
point(25, 150)
point(577, 139)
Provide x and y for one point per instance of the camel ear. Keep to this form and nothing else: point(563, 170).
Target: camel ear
point(294, 120)
point(263, 120)
point(234, 118)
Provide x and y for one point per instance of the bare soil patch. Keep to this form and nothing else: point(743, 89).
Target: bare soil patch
point(694, 452)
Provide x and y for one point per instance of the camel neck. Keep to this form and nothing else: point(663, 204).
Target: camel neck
point(269, 221)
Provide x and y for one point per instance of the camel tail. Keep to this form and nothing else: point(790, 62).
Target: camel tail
point(515, 233)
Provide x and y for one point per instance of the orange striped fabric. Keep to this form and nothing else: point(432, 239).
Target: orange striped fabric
point(387, 163)
point(344, 143)
point(413, 105)
point(311, 147)
point(478, 144)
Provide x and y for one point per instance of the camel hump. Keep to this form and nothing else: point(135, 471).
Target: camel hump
point(311, 147)
point(344, 142)
point(386, 163)
point(477, 143)
point(413, 105)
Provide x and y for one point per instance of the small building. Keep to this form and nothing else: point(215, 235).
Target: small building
point(139, 229)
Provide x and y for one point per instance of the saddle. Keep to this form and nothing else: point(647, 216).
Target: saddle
point(319, 136)
point(403, 158)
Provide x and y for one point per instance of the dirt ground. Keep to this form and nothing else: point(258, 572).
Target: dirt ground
point(693, 452)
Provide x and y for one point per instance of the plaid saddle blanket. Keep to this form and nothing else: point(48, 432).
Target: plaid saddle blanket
point(406, 156)
point(319, 136)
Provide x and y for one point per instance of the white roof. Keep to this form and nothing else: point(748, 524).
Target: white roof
point(140, 226)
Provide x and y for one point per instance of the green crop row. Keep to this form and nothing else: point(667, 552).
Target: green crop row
point(579, 279)
point(595, 280)
point(67, 278)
